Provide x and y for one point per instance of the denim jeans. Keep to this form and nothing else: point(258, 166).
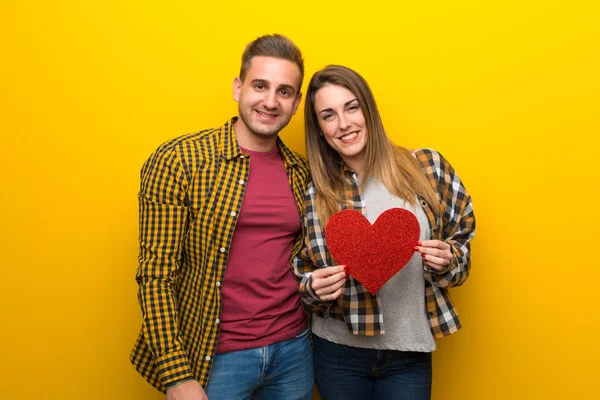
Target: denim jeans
point(348, 373)
point(283, 370)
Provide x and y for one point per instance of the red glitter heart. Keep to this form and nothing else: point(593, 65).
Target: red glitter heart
point(373, 253)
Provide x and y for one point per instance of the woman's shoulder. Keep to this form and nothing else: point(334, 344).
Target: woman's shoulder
point(433, 163)
point(426, 152)
point(429, 157)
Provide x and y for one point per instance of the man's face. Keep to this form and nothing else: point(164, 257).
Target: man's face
point(269, 95)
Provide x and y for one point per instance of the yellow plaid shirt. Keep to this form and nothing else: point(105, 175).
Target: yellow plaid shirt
point(191, 195)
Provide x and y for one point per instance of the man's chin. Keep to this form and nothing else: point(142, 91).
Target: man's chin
point(266, 131)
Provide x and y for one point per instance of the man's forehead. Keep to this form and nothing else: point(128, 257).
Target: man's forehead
point(274, 70)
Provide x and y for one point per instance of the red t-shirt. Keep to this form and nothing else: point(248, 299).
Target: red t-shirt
point(260, 301)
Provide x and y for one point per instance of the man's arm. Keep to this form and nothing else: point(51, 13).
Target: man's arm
point(163, 215)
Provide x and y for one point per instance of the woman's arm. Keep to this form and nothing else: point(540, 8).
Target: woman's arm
point(320, 284)
point(457, 223)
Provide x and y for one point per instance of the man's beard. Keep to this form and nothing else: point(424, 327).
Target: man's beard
point(255, 128)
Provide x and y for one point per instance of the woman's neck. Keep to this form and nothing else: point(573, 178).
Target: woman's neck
point(355, 164)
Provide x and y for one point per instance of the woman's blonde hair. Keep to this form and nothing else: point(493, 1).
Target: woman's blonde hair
point(392, 165)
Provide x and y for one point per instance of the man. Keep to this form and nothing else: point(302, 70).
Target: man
point(220, 218)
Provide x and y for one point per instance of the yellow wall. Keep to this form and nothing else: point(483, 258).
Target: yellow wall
point(508, 91)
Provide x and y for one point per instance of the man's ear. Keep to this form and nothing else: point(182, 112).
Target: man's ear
point(297, 102)
point(237, 87)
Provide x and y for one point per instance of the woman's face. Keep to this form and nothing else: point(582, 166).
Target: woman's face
point(342, 122)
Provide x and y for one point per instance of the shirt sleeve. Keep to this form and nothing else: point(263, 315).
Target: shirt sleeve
point(163, 217)
point(304, 263)
point(458, 224)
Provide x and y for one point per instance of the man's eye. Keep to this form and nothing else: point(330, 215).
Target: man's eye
point(259, 86)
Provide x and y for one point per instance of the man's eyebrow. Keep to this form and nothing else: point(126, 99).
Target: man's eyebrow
point(261, 81)
point(346, 104)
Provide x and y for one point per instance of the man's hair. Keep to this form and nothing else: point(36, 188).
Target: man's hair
point(276, 46)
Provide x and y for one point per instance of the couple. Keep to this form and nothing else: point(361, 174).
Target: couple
point(224, 210)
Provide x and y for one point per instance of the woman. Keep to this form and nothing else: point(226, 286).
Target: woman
point(377, 346)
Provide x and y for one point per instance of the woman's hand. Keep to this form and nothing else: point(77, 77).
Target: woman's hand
point(328, 282)
point(436, 253)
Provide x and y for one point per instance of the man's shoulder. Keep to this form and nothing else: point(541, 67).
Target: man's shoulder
point(293, 157)
point(189, 151)
point(189, 140)
point(302, 167)
point(301, 160)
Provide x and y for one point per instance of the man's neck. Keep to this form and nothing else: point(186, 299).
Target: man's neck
point(250, 141)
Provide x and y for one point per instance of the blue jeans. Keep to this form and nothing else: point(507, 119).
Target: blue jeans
point(283, 370)
point(348, 373)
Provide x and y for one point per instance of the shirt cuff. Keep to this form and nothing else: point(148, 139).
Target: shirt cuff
point(173, 367)
point(177, 383)
point(309, 288)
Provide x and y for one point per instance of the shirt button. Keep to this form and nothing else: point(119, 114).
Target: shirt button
point(218, 284)
point(222, 249)
point(242, 156)
point(233, 213)
point(217, 321)
point(241, 181)
point(207, 358)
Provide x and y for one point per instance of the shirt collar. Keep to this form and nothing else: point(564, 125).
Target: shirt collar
point(231, 148)
point(349, 173)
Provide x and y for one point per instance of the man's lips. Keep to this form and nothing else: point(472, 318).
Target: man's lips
point(266, 115)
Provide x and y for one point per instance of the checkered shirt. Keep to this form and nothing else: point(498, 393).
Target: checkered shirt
point(191, 194)
point(356, 306)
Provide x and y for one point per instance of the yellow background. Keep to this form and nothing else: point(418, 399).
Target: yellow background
point(508, 91)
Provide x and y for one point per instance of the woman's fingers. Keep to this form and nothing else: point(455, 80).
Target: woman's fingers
point(436, 263)
point(332, 296)
point(327, 283)
point(446, 254)
point(436, 244)
point(436, 253)
point(327, 276)
point(331, 292)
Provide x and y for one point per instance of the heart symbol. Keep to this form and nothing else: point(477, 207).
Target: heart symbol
point(373, 253)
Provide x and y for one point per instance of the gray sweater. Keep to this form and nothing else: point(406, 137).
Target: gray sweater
point(402, 297)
